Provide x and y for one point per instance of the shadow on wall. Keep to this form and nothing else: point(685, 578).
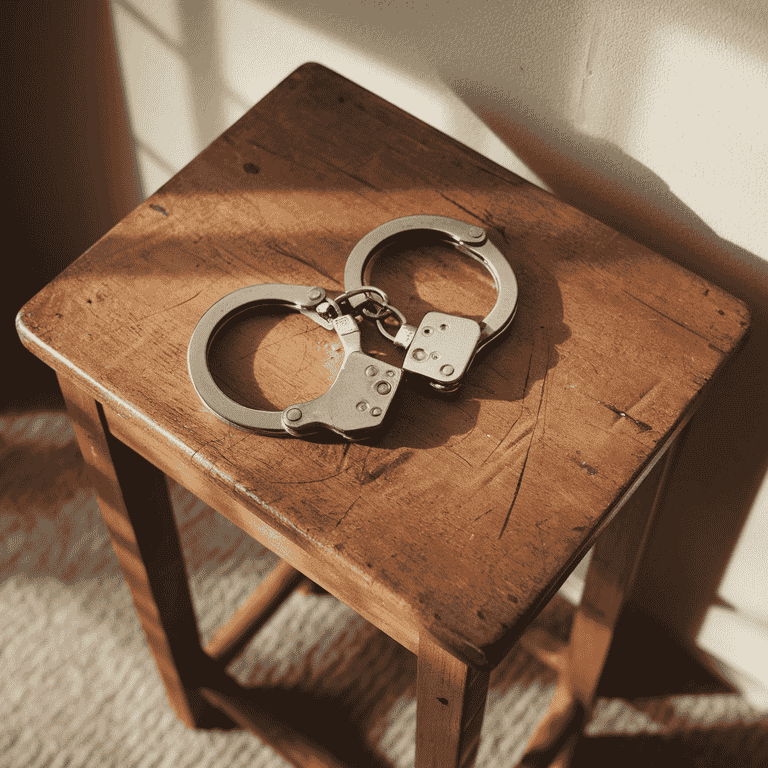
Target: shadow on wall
point(724, 461)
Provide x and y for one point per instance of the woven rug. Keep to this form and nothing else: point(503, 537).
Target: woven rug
point(78, 686)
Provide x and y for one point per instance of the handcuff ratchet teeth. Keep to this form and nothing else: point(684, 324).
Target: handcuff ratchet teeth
point(440, 349)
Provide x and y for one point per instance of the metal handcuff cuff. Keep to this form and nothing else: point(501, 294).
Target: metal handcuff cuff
point(440, 349)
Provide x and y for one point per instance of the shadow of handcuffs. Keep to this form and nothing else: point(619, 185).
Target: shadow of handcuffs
point(439, 351)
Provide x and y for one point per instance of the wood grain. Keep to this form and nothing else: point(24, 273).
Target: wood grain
point(271, 593)
point(466, 514)
point(611, 573)
point(450, 708)
point(134, 502)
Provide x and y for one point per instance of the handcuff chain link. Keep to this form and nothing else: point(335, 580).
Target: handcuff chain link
point(331, 308)
point(375, 297)
point(380, 322)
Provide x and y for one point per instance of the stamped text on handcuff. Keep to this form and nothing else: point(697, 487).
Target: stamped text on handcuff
point(440, 350)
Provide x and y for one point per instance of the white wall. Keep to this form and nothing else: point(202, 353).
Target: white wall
point(651, 116)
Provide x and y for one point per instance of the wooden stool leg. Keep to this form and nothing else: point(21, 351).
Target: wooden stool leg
point(134, 502)
point(614, 563)
point(450, 703)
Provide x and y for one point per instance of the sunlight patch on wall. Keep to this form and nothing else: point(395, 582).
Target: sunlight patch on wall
point(157, 96)
point(191, 68)
point(701, 127)
point(739, 646)
point(163, 15)
point(744, 584)
point(261, 46)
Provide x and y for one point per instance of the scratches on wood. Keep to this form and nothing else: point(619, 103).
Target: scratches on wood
point(676, 322)
point(164, 310)
point(537, 423)
point(514, 423)
point(473, 214)
point(588, 468)
point(368, 476)
point(274, 153)
point(276, 247)
point(323, 479)
point(353, 176)
point(641, 425)
point(210, 445)
point(221, 249)
point(488, 218)
point(346, 512)
point(458, 455)
point(492, 221)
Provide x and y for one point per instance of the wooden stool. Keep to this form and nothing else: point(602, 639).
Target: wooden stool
point(453, 529)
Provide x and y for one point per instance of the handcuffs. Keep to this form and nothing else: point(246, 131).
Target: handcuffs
point(440, 350)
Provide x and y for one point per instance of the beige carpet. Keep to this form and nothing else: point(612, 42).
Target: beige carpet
point(78, 686)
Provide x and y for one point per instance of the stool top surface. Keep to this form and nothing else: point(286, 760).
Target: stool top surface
point(466, 512)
